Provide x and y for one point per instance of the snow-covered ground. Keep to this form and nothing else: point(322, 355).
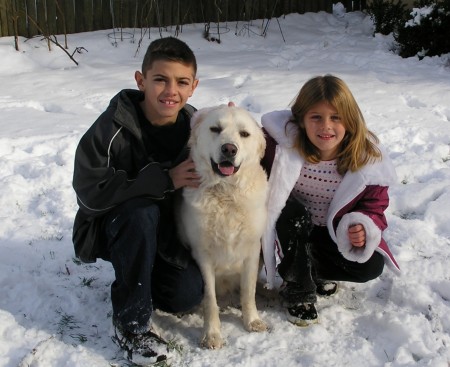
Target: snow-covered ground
point(55, 311)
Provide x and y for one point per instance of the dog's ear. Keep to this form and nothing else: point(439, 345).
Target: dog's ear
point(261, 144)
point(198, 116)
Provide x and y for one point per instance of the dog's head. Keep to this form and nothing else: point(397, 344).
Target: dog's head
point(224, 139)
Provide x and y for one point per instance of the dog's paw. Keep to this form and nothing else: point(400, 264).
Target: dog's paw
point(212, 341)
point(257, 325)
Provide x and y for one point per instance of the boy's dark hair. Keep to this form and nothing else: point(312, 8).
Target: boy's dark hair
point(168, 49)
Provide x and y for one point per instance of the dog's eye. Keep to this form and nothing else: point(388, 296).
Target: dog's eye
point(244, 134)
point(215, 129)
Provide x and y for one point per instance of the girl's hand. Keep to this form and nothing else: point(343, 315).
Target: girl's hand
point(184, 175)
point(357, 235)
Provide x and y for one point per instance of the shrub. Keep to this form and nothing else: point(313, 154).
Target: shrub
point(386, 15)
point(427, 31)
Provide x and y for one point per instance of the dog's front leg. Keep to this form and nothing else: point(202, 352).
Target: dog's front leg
point(212, 338)
point(249, 277)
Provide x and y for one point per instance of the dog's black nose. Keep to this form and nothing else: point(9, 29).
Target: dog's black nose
point(229, 150)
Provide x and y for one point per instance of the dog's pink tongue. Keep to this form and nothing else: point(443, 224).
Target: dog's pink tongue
point(226, 170)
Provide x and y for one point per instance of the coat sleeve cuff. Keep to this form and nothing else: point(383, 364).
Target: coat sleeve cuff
point(373, 237)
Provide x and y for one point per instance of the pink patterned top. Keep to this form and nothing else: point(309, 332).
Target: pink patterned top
point(315, 188)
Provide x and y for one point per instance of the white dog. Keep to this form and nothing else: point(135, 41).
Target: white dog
point(222, 220)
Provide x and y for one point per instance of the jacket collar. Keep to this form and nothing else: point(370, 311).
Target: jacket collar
point(276, 124)
point(124, 105)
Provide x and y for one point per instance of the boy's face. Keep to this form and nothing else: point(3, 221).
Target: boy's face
point(167, 85)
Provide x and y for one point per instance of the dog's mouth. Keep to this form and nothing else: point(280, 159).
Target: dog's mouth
point(224, 168)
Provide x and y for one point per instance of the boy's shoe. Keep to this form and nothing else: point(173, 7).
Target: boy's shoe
point(304, 314)
point(141, 349)
point(326, 288)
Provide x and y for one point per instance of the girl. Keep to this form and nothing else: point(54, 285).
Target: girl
point(328, 190)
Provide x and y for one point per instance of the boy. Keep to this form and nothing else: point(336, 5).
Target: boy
point(127, 167)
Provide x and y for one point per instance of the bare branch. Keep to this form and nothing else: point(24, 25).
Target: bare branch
point(54, 40)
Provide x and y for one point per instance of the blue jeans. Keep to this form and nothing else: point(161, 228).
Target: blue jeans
point(144, 281)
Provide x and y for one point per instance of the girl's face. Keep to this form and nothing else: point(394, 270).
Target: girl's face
point(325, 129)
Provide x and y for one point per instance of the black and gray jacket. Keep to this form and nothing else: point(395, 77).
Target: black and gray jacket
point(112, 166)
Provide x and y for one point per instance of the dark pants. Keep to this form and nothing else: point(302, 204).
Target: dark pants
point(143, 280)
point(311, 256)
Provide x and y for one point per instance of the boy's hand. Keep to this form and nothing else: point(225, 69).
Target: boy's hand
point(357, 235)
point(184, 175)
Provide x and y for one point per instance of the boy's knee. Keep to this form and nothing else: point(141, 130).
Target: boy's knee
point(135, 213)
point(179, 291)
point(148, 214)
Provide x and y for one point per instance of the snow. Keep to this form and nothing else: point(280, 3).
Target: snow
point(55, 311)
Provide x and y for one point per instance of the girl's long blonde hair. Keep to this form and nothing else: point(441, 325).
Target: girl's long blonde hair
point(359, 144)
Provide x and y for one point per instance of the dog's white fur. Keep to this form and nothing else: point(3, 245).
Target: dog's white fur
point(222, 220)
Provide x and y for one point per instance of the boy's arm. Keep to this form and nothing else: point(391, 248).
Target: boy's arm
point(100, 187)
